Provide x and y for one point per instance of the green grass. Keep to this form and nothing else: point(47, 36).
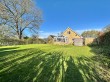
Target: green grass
point(52, 63)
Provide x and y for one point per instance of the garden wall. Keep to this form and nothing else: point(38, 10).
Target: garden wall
point(88, 41)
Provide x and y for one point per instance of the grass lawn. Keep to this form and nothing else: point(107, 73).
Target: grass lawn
point(52, 63)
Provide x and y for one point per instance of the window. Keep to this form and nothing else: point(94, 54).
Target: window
point(59, 39)
point(69, 32)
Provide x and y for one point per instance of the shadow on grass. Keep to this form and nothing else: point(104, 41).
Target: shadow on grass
point(72, 73)
point(102, 57)
point(14, 54)
point(32, 65)
point(6, 49)
point(89, 69)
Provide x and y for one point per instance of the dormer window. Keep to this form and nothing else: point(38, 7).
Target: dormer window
point(69, 32)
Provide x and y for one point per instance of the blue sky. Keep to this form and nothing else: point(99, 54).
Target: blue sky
point(80, 15)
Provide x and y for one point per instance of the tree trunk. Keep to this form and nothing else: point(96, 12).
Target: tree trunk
point(20, 35)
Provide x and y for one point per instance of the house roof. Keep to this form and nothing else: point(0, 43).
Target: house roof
point(52, 36)
point(73, 31)
point(64, 31)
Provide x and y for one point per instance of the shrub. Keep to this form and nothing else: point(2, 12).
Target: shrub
point(5, 42)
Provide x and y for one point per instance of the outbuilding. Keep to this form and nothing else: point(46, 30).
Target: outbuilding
point(78, 41)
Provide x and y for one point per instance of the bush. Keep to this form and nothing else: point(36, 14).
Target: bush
point(5, 42)
point(35, 41)
point(9, 41)
point(107, 38)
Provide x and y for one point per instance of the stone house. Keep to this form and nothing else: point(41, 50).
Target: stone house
point(67, 37)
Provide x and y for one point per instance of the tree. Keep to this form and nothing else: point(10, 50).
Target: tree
point(107, 28)
point(6, 32)
point(106, 38)
point(20, 15)
point(91, 33)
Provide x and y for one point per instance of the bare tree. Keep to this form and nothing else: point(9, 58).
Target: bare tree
point(106, 28)
point(6, 32)
point(90, 33)
point(20, 15)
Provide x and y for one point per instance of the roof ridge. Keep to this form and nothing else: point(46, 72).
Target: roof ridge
point(73, 31)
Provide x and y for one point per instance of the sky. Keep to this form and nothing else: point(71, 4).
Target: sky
point(79, 15)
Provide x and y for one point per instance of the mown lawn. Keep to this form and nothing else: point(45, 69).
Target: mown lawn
point(52, 63)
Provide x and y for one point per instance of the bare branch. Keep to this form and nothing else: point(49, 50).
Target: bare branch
point(19, 15)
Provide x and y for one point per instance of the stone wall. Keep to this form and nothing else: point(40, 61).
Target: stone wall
point(89, 41)
point(70, 35)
